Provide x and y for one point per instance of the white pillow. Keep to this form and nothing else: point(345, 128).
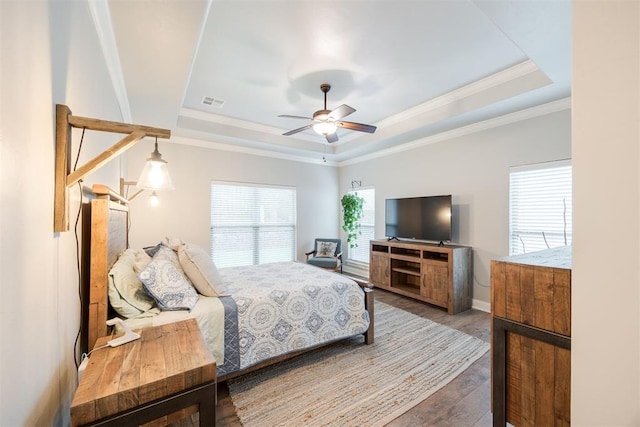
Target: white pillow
point(141, 260)
point(168, 285)
point(172, 243)
point(200, 269)
point(127, 296)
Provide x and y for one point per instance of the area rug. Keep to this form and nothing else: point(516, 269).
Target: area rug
point(352, 384)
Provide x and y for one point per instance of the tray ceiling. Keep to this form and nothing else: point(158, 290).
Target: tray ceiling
point(414, 69)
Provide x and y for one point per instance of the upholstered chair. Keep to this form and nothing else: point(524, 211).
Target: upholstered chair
point(326, 253)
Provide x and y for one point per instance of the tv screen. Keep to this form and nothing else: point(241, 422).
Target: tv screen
point(422, 218)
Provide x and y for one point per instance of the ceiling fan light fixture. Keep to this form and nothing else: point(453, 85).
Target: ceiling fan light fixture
point(326, 122)
point(325, 128)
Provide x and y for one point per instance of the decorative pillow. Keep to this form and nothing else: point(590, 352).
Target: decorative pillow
point(200, 269)
point(172, 243)
point(141, 260)
point(126, 293)
point(151, 250)
point(168, 285)
point(167, 254)
point(326, 249)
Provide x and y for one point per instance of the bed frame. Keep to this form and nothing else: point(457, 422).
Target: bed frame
point(105, 236)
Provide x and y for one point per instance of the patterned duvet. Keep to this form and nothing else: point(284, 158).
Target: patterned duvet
point(273, 309)
point(278, 308)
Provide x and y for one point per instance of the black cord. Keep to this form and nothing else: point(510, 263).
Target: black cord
point(75, 345)
point(78, 266)
point(75, 165)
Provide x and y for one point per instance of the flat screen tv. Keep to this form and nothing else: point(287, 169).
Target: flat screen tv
point(420, 218)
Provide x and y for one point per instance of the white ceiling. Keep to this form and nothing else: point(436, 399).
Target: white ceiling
point(414, 69)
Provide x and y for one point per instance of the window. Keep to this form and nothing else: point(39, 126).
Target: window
point(540, 205)
point(367, 226)
point(252, 224)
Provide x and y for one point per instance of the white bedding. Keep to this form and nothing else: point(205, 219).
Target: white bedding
point(208, 312)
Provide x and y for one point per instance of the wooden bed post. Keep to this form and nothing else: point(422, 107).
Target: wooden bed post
point(108, 238)
point(368, 305)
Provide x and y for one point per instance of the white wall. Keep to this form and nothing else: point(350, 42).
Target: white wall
point(39, 310)
point(474, 169)
point(185, 212)
point(605, 354)
point(38, 285)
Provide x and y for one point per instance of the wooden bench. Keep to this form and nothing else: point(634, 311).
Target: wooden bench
point(165, 375)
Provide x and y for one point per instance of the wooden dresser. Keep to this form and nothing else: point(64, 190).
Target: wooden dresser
point(439, 275)
point(531, 342)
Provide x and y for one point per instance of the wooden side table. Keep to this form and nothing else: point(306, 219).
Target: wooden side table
point(162, 376)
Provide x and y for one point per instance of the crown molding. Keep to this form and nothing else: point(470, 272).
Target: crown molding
point(176, 139)
point(104, 28)
point(529, 113)
point(512, 73)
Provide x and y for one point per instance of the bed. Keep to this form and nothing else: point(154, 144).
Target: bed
point(268, 313)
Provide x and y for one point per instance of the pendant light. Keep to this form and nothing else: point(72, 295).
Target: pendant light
point(155, 174)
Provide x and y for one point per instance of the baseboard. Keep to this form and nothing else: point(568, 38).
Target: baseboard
point(481, 305)
point(356, 270)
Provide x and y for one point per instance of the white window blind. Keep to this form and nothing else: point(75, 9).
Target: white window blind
point(540, 205)
point(252, 224)
point(367, 226)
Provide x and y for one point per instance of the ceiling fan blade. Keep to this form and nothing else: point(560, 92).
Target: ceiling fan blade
point(291, 132)
point(357, 126)
point(295, 117)
point(331, 137)
point(340, 112)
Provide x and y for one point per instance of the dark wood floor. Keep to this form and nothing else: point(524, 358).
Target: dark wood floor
point(463, 402)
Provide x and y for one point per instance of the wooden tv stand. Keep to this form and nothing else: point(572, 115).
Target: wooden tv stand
point(439, 275)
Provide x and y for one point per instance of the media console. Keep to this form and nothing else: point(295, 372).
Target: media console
point(439, 275)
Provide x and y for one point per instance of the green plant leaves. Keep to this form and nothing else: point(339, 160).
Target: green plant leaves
point(351, 214)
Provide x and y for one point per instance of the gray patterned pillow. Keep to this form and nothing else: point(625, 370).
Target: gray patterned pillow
point(326, 249)
point(168, 285)
point(167, 254)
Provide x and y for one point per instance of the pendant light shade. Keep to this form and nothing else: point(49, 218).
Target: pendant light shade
point(154, 200)
point(155, 174)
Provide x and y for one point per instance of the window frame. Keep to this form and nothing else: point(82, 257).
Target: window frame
point(257, 223)
point(557, 231)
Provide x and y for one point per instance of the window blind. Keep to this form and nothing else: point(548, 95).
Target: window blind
point(540, 205)
point(252, 224)
point(367, 226)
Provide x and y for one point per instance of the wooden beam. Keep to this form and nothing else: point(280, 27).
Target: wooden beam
point(63, 165)
point(102, 158)
point(115, 127)
point(64, 177)
point(101, 190)
point(123, 189)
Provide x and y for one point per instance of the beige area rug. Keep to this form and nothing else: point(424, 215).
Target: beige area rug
point(352, 384)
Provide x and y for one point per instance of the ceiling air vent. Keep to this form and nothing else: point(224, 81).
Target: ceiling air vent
point(212, 102)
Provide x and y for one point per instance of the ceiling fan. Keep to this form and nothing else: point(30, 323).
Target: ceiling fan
point(326, 122)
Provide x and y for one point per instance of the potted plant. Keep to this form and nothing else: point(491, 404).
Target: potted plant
point(351, 214)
